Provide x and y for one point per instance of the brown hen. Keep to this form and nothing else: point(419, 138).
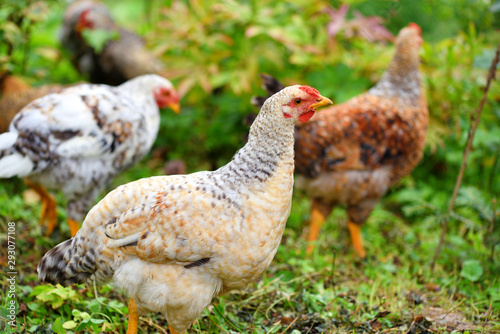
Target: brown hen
point(351, 153)
point(123, 56)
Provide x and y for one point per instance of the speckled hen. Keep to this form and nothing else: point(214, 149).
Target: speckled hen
point(351, 153)
point(78, 140)
point(174, 242)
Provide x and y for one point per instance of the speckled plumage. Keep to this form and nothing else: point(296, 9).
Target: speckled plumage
point(353, 152)
point(78, 140)
point(174, 242)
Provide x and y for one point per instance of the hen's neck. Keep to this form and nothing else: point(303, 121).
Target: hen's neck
point(142, 95)
point(268, 151)
point(144, 104)
point(402, 79)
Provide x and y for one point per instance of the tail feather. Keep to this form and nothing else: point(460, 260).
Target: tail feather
point(13, 163)
point(7, 140)
point(58, 266)
point(271, 86)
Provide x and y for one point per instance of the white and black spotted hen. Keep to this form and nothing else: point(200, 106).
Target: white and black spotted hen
point(174, 242)
point(78, 140)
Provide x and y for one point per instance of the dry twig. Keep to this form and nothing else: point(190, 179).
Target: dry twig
point(290, 325)
point(416, 320)
point(488, 313)
point(475, 122)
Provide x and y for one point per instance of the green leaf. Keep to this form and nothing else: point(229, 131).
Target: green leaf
point(97, 38)
point(84, 324)
point(79, 315)
point(12, 33)
point(37, 11)
point(97, 321)
point(57, 326)
point(494, 293)
point(33, 306)
point(54, 295)
point(69, 324)
point(472, 270)
point(484, 59)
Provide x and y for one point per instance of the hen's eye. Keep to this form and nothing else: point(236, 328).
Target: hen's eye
point(298, 101)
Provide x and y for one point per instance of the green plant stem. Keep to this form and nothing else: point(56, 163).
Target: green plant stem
point(226, 319)
point(492, 228)
point(475, 122)
point(103, 304)
point(26, 50)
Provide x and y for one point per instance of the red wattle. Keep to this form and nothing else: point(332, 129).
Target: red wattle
point(307, 116)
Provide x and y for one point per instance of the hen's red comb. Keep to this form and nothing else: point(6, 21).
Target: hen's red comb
point(416, 27)
point(83, 21)
point(309, 90)
point(84, 14)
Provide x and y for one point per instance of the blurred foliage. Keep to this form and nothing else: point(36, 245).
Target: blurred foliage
point(26, 50)
point(214, 51)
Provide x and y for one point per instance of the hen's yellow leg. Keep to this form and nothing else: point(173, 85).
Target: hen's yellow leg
point(73, 226)
point(133, 317)
point(49, 206)
point(319, 213)
point(357, 239)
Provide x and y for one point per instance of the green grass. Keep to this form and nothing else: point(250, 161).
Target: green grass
point(331, 291)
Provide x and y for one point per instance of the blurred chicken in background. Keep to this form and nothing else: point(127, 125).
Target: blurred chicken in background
point(351, 153)
point(79, 139)
point(120, 57)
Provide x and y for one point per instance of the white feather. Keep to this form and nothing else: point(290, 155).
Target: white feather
point(83, 147)
point(7, 139)
point(124, 241)
point(15, 164)
point(71, 113)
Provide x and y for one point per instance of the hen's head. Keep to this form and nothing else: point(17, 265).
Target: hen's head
point(167, 97)
point(84, 21)
point(295, 102)
point(408, 43)
point(410, 35)
point(92, 15)
point(162, 89)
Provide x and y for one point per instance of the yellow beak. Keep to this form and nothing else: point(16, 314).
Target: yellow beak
point(321, 101)
point(175, 107)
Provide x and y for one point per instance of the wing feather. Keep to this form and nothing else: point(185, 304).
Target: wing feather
point(177, 223)
point(362, 134)
point(83, 121)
